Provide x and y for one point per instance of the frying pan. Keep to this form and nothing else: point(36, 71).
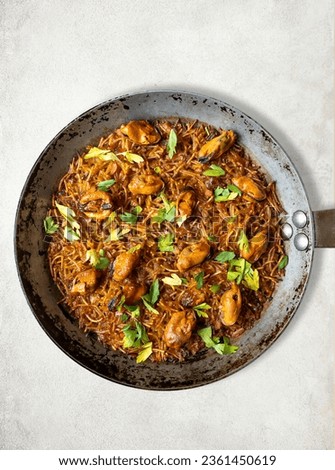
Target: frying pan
point(303, 229)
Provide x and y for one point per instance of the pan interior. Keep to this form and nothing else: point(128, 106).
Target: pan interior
point(31, 245)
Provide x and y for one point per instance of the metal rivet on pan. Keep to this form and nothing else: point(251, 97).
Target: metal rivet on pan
point(287, 231)
point(299, 219)
point(301, 241)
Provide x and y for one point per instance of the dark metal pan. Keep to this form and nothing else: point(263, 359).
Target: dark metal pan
point(304, 229)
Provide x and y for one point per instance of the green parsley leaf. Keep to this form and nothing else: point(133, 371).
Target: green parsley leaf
point(215, 288)
point(69, 215)
point(135, 248)
point(149, 307)
point(133, 309)
point(151, 298)
point(50, 226)
point(97, 259)
point(130, 336)
point(283, 262)
point(165, 242)
point(172, 143)
point(116, 234)
point(124, 317)
point(105, 185)
point(200, 309)
point(212, 238)
point(157, 170)
point(145, 352)
point(180, 220)
point(131, 217)
point(251, 279)
point(199, 278)
point(132, 157)
point(153, 295)
point(70, 234)
point(174, 280)
point(214, 170)
point(243, 242)
point(224, 256)
point(104, 155)
point(120, 304)
point(226, 194)
point(168, 213)
point(237, 269)
point(221, 348)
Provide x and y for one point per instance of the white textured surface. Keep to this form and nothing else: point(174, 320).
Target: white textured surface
point(273, 59)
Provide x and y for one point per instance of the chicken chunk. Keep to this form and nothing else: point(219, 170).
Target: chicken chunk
point(179, 329)
point(96, 204)
point(86, 281)
point(133, 291)
point(124, 264)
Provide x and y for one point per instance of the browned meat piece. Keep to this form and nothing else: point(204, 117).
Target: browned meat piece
point(248, 186)
point(193, 255)
point(186, 203)
point(179, 329)
point(141, 132)
point(230, 305)
point(133, 291)
point(145, 184)
point(86, 281)
point(124, 264)
point(217, 146)
point(257, 246)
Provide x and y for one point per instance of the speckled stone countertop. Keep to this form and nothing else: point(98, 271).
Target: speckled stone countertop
point(271, 59)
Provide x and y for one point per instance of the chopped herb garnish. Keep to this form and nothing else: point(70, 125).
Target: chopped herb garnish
point(226, 194)
point(145, 352)
point(104, 155)
point(172, 143)
point(168, 213)
point(133, 309)
point(96, 259)
point(224, 256)
point(212, 238)
point(50, 226)
point(214, 170)
point(215, 288)
point(151, 298)
point(199, 279)
point(70, 234)
point(214, 342)
point(243, 242)
point(283, 262)
point(174, 280)
point(149, 307)
point(134, 337)
point(120, 304)
point(200, 309)
point(165, 242)
point(105, 185)
point(69, 215)
point(135, 248)
point(124, 318)
point(241, 270)
point(132, 157)
point(131, 217)
point(157, 170)
point(116, 234)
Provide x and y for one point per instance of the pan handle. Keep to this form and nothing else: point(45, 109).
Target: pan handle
point(324, 223)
